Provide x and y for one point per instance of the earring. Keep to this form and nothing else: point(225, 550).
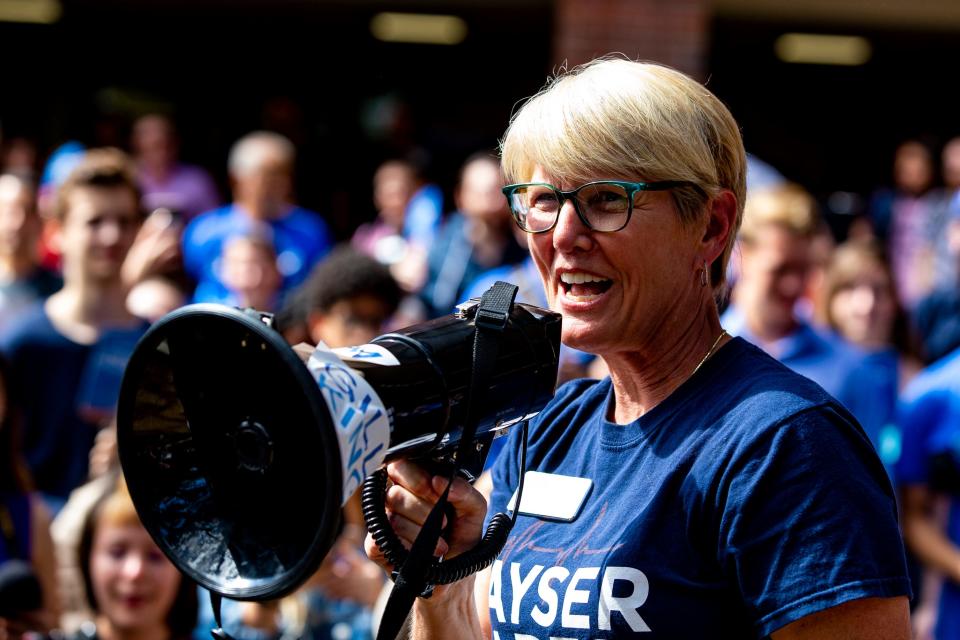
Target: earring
point(703, 275)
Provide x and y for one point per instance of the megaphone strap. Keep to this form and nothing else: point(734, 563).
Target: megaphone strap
point(412, 579)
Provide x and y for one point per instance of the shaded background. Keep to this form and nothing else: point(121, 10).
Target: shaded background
point(313, 71)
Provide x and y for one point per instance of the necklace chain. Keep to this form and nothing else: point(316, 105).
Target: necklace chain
point(713, 348)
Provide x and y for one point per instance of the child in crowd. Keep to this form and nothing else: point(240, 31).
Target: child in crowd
point(133, 590)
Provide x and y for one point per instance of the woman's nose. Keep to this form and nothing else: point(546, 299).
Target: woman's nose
point(570, 232)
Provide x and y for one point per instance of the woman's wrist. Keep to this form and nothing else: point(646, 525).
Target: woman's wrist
point(451, 604)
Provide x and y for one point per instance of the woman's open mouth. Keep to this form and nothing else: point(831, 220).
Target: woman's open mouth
point(579, 286)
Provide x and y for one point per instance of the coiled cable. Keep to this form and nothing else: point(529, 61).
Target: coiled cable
point(373, 501)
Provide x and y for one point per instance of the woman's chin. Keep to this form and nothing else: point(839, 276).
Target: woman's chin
point(579, 335)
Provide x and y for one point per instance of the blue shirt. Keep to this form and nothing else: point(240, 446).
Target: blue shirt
point(745, 500)
point(837, 366)
point(300, 238)
point(929, 418)
point(67, 391)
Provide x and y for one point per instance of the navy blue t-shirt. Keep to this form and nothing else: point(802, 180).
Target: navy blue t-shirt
point(747, 499)
point(67, 391)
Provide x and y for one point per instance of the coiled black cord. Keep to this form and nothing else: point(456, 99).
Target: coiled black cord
point(373, 501)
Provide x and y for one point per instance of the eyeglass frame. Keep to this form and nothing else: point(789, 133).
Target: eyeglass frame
point(562, 196)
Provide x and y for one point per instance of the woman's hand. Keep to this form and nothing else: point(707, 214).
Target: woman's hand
point(409, 501)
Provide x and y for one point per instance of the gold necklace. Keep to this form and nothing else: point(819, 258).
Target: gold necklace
point(713, 348)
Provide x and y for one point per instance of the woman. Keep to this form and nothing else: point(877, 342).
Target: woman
point(133, 590)
point(729, 497)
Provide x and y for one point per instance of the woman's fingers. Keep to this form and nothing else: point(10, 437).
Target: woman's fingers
point(401, 501)
point(407, 531)
point(413, 478)
point(412, 497)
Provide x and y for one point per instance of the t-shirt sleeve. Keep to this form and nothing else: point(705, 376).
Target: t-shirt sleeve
point(808, 521)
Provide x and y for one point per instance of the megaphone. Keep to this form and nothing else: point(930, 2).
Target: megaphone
point(239, 451)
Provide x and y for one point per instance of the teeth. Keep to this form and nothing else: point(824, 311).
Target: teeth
point(585, 298)
point(579, 277)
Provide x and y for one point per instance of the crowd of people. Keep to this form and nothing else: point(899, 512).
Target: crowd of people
point(102, 242)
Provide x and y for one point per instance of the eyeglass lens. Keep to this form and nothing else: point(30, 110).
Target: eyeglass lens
point(604, 206)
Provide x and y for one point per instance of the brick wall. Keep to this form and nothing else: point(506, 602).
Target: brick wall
point(673, 32)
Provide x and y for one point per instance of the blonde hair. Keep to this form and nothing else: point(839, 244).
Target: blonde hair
point(788, 206)
point(117, 508)
point(619, 119)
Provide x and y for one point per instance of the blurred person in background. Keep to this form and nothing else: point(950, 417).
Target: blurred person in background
point(19, 156)
point(134, 592)
point(153, 269)
point(386, 238)
point(55, 171)
point(261, 173)
point(164, 180)
point(22, 280)
point(860, 304)
point(909, 219)
point(474, 239)
point(28, 593)
point(68, 353)
point(928, 475)
point(347, 301)
point(350, 299)
point(249, 270)
point(937, 316)
point(425, 210)
point(775, 259)
point(947, 250)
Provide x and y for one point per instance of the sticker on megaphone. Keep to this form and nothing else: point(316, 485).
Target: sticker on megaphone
point(358, 414)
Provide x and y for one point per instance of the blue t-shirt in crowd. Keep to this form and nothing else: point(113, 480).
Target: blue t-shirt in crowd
point(300, 238)
point(67, 392)
point(836, 365)
point(745, 500)
point(929, 419)
point(452, 266)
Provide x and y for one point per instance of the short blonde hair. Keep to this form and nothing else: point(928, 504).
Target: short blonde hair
point(619, 119)
point(787, 206)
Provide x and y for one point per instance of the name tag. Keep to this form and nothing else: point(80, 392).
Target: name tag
point(552, 496)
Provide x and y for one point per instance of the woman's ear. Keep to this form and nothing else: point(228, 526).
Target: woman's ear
point(721, 222)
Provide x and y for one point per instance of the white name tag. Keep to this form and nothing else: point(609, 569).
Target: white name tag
point(552, 496)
